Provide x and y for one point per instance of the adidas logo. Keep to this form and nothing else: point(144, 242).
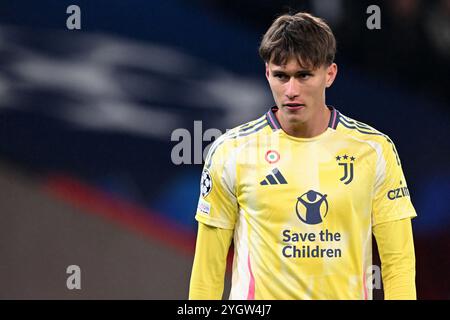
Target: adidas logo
point(275, 178)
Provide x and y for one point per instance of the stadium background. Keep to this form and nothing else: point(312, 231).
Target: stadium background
point(86, 117)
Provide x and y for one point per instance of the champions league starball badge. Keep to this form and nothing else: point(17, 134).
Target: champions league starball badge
point(205, 183)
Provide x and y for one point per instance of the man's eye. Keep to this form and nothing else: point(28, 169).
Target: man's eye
point(305, 76)
point(280, 76)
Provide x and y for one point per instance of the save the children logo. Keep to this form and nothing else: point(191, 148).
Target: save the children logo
point(312, 207)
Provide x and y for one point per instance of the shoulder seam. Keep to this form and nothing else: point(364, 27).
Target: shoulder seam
point(363, 128)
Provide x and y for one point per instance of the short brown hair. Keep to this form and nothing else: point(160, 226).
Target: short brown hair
point(303, 36)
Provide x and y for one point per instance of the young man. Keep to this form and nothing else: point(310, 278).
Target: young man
point(302, 189)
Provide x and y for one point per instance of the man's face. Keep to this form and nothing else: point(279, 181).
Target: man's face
point(299, 92)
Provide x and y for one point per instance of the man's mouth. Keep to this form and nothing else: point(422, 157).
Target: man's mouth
point(294, 106)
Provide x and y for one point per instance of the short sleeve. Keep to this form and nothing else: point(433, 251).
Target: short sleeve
point(392, 199)
point(217, 205)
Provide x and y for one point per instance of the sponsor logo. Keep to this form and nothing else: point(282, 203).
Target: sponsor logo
point(322, 244)
point(398, 193)
point(312, 207)
point(273, 178)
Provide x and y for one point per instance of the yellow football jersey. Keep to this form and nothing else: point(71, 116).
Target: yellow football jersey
point(302, 209)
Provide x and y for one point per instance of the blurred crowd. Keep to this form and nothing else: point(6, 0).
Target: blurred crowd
point(412, 48)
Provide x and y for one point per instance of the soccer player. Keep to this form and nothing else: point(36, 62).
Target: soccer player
point(301, 189)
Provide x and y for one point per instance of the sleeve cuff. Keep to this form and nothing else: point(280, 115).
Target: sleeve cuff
point(201, 217)
point(410, 214)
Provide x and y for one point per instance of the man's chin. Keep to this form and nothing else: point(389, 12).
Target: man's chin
point(296, 119)
point(294, 116)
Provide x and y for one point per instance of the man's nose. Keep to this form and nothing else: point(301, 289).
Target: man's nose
point(291, 89)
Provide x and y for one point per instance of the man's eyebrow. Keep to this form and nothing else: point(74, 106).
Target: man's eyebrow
point(279, 71)
point(306, 71)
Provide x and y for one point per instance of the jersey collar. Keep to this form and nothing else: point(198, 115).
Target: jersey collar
point(275, 124)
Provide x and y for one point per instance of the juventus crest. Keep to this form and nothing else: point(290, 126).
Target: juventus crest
point(347, 163)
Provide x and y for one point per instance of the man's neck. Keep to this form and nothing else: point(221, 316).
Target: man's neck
point(315, 126)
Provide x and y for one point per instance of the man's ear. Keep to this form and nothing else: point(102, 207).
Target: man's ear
point(267, 71)
point(331, 74)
